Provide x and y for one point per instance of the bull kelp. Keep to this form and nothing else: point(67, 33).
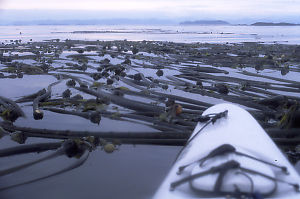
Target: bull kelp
point(154, 90)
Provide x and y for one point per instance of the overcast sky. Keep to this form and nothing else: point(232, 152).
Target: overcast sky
point(194, 9)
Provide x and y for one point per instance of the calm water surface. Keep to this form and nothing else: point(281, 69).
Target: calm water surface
point(132, 171)
point(210, 34)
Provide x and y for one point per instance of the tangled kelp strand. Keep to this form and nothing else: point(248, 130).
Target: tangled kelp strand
point(121, 101)
point(38, 113)
point(8, 103)
point(31, 97)
point(29, 148)
point(73, 166)
point(163, 86)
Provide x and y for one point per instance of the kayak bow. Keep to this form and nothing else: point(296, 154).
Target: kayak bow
point(230, 155)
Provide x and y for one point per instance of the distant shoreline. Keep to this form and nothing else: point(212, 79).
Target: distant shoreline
point(274, 24)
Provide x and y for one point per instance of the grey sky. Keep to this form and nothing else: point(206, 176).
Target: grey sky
point(193, 9)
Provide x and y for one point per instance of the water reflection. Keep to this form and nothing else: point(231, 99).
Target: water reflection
point(211, 34)
point(131, 172)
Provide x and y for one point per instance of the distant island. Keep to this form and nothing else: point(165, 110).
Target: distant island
point(274, 24)
point(205, 22)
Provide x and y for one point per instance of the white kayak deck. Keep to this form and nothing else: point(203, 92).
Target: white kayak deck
point(242, 131)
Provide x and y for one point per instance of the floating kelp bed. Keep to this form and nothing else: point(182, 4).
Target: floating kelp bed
point(155, 91)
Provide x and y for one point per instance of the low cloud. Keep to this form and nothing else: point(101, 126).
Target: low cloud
point(172, 9)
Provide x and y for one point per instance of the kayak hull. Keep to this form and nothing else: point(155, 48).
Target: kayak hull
point(240, 130)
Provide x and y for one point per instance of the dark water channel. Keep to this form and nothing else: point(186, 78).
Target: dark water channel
point(130, 172)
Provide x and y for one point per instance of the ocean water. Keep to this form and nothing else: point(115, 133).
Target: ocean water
point(132, 171)
point(209, 34)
